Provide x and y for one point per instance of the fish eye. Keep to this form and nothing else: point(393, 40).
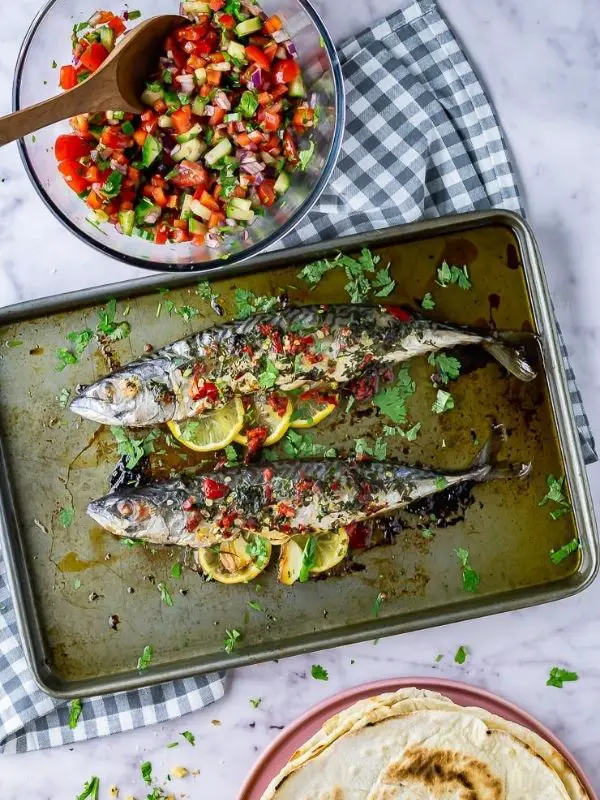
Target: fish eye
point(125, 508)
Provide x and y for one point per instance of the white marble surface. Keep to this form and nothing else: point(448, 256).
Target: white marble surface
point(541, 62)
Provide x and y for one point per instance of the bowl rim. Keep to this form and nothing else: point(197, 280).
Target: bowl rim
point(235, 258)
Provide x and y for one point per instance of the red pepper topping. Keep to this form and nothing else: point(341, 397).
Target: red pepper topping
point(285, 510)
point(227, 520)
point(278, 403)
point(399, 313)
point(358, 534)
point(206, 390)
point(256, 438)
point(213, 490)
point(276, 342)
point(298, 344)
point(267, 474)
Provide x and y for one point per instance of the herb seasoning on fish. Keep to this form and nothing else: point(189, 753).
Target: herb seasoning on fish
point(290, 349)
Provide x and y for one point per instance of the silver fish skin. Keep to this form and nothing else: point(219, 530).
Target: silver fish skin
point(303, 347)
point(284, 497)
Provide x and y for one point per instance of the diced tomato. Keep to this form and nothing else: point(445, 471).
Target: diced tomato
point(199, 192)
point(216, 219)
point(216, 5)
point(69, 146)
point(158, 180)
point(265, 99)
point(273, 24)
point(191, 33)
point(171, 46)
point(71, 172)
point(180, 223)
point(81, 124)
point(139, 137)
point(399, 313)
point(227, 21)
point(68, 77)
point(162, 234)
point(160, 106)
point(92, 174)
point(255, 137)
point(207, 45)
point(102, 17)
point(257, 55)
point(93, 56)
point(218, 116)
point(303, 118)
point(159, 196)
point(199, 239)
point(273, 145)
point(213, 77)
point(114, 139)
point(196, 62)
point(286, 70)
point(190, 174)
point(213, 490)
point(117, 25)
point(125, 205)
point(269, 121)
point(179, 236)
point(182, 119)
point(93, 200)
point(133, 174)
point(256, 438)
point(279, 91)
point(209, 201)
point(278, 403)
point(243, 140)
point(266, 192)
point(270, 51)
point(149, 121)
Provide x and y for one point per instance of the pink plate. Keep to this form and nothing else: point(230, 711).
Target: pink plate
point(279, 752)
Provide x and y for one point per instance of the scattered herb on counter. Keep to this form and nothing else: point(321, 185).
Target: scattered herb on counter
point(268, 377)
point(74, 713)
point(443, 402)
point(461, 655)
point(90, 789)
point(440, 483)
point(65, 357)
point(558, 676)
point(134, 449)
point(256, 606)
point(471, 577)
point(176, 570)
point(63, 397)
point(428, 303)
point(313, 273)
point(378, 451)
point(66, 516)
point(319, 673)
point(145, 659)
point(392, 401)
point(231, 639)
point(146, 770)
point(107, 325)
point(247, 303)
point(377, 604)
point(426, 533)
point(257, 549)
point(306, 156)
point(14, 343)
point(448, 367)
point(309, 558)
point(189, 736)
point(359, 286)
point(438, 658)
point(383, 282)
point(131, 542)
point(185, 312)
point(206, 293)
point(357, 270)
point(255, 701)
point(447, 275)
point(555, 494)
point(76, 583)
point(165, 595)
point(299, 445)
point(171, 745)
point(557, 556)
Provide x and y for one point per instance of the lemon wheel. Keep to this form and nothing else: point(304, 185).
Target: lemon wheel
point(313, 407)
point(212, 430)
point(306, 555)
point(273, 412)
point(237, 560)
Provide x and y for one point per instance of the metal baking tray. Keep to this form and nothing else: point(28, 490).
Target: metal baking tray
point(50, 458)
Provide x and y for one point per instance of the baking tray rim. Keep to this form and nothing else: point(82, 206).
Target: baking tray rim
point(32, 639)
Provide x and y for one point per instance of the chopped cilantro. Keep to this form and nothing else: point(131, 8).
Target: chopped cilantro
point(557, 556)
point(131, 542)
point(171, 745)
point(392, 401)
point(559, 676)
point(257, 550)
point(247, 303)
point(411, 433)
point(165, 595)
point(448, 367)
point(443, 402)
point(232, 455)
point(309, 558)
point(426, 533)
point(268, 377)
point(74, 713)
point(90, 789)
point(146, 770)
point(176, 570)
point(461, 655)
point(447, 275)
point(377, 604)
point(306, 156)
point(76, 583)
point(63, 398)
point(255, 701)
point(14, 343)
point(383, 282)
point(134, 449)
point(66, 516)
point(145, 659)
point(256, 606)
point(440, 483)
point(471, 577)
point(359, 285)
point(299, 445)
point(378, 451)
point(231, 639)
point(438, 658)
point(319, 673)
point(189, 736)
point(312, 273)
point(428, 303)
point(54, 64)
point(107, 325)
point(555, 494)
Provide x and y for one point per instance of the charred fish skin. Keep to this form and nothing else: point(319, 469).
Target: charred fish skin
point(285, 497)
point(306, 346)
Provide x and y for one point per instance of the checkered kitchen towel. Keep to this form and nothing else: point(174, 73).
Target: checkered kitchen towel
point(421, 141)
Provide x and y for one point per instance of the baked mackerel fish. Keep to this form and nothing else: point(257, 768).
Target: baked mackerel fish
point(301, 347)
point(277, 500)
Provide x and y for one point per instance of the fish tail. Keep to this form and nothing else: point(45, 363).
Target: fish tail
point(511, 357)
point(485, 467)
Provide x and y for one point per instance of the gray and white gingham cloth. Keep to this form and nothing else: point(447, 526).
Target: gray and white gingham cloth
point(421, 141)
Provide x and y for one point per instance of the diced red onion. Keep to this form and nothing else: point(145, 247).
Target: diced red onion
point(122, 168)
point(291, 49)
point(281, 52)
point(280, 36)
point(240, 127)
point(256, 78)
point(153, 216)
point(252, 167)
point(187, 83)
point(221, 66)
point(259, 178)
point(253, 8)
point(208, 111)
point(213, 240)
point(245, 234)
point(222, 101)
point(246, 157)
point(231, 222)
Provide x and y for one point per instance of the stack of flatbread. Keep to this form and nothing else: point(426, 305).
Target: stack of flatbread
point(418, 745)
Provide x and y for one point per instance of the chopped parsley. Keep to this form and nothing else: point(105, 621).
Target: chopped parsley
point(247, 303)
point(133, 450)
point(66, 516)
point(189, 736)
point(74, 713)
point(301, 445)
point(268, 377)
point(257, 549)
point(383, 282)
point(204, 289)
point(309, 558)
point(63, 398)
point(378, 451)
point(377, 604)
point(255, 701)
point(555, 494)
point(471, 577)
point(107, 325)
point(312, 273)
point(443, 402)
point(557, 556)
point(305, 156)
point(146, 770)
point(448, 367)
point(176, 570)
point(447, 275)
point(357, 271)
point(145, 659)
point(559, 676)
point(428, 303)
point(319, 673)
point(461, 655)
point(185, 312)
point(440, 483)
point(256, 606)
point(165, 595)
point(392, 401)
point(231, 640)
point(232, 455)
point(90, 789)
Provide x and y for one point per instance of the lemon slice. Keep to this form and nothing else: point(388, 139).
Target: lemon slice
point(273, 412)
point(306, 555)
point(237, 560)
point(313, 407)
point(212, 430)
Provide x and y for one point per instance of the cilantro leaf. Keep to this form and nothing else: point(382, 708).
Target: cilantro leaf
point(74, 713)
point(90, 789)
point(145, 659)
point(378, 451)
point(232, 455)
point(134, 449)
point(383, 282)
point(557, 556)
point(255, 701)
point(448, 367)
point(306, 156)
point(559, 676)
point(165, 595)
point(443, 402)
point(319, 673)
point(189, 736)
point(377, 604)
point(447, 275)
point(176, 570)
point(146, 770)
point(231, 640)
point(66, 516)
point(392, 401)
point(461, 655)
point(312, 273)
point(440, 483)
point(309, 558)
point(556, 495)
point(298, 445)
point(258, 550)
point(268, 377)
point(63, 397)
point(247, 303)
point(471, 578)
point(428, 303)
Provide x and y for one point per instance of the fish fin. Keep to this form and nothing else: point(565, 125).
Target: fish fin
point(510, 356)
point(485, 467)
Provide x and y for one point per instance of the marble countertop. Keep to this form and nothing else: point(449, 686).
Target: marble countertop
point(541, 62)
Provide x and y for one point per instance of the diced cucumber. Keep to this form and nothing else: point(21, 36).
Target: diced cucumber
point(143, 209)
point(115, 115)
point(151, 150)
point(165, 121)
point(239, 213)
point(97, 217)
point(172, 100)
point(237, 50)
point(107, 37)
point(297, 88)
point(152, 93)
point(199, 106)
point(195, 226)
point(186, 208)
point(282, 184)
point(193, 132)
point(241, 203)
point(248, 26)
point(127, 221)
point(195, 7)
point(199, 210)
point(189, 151)
point(200, 75)
point(222, 148)
point(235, 116)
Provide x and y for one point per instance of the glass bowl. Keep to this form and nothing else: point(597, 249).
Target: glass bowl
point(48, 42)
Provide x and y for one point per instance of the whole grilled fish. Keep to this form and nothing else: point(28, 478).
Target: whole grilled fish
point(283, 498)
point(294, 348)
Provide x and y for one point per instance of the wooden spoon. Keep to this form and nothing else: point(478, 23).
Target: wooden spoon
point(116, 86)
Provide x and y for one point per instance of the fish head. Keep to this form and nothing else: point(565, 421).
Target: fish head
point(135, 515)
point(124, 398)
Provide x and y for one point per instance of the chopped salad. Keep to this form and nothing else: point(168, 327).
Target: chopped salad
point(219, 139)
